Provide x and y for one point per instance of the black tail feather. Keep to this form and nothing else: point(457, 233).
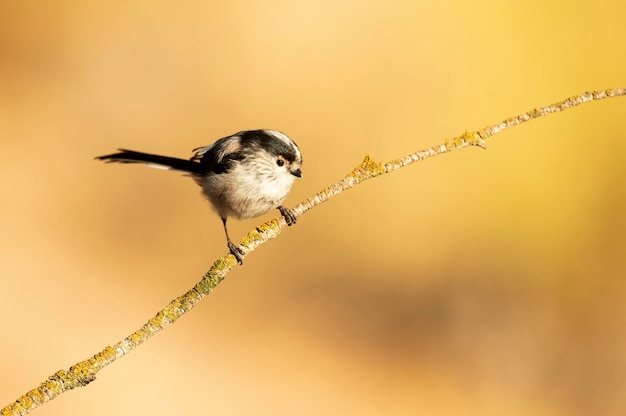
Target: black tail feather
point(130, 156)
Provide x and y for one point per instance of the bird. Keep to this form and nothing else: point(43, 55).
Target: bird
point(243, 175)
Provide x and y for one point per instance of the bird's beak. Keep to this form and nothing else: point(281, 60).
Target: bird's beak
point(297, 173)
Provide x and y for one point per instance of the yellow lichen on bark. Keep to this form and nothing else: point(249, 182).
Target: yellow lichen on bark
point(368, 168)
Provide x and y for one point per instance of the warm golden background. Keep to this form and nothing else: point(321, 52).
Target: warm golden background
point(477, 283)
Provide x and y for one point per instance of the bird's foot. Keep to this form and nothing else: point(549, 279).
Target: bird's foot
point(288, 215)
point(236, 251)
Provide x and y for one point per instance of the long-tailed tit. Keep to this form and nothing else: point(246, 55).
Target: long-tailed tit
point(243, 176)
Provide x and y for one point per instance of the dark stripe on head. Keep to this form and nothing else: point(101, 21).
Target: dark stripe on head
point(275, 143)
point(225, 153)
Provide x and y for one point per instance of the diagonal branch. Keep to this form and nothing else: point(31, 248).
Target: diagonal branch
point(85, 371)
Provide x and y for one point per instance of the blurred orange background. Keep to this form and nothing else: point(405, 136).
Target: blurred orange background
point(481, 282)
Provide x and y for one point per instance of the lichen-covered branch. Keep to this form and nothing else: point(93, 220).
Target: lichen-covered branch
point(85, 371)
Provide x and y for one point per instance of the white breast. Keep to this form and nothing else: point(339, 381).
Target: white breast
point(247, 192)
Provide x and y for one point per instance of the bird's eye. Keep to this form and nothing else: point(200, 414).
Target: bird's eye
point(280, 162)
